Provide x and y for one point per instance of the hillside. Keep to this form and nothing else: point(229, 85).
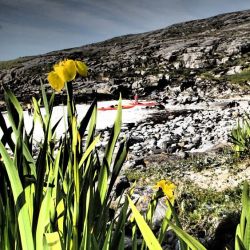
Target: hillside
point(203, 53)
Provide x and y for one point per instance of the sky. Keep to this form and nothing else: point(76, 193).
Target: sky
point(31, 27)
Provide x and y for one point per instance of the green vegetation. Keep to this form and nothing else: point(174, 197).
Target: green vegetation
point(240, 78)
point(205, 208)
point(240, 137)
point(175, 167)
point(60, 195)
point(243, 229)
point(208, 76)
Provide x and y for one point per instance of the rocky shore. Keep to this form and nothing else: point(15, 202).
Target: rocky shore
point(182, 129)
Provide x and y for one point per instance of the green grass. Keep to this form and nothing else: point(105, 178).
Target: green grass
point(208, 76)
point(240, 78)
point(198, 206)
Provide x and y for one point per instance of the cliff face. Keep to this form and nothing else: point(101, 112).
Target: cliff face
point(210, 55)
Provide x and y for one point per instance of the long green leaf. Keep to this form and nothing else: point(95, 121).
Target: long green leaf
point(44, 97)
point(43, 219)
point(114, 134)
point(18, 192)
point(76, 179)
point(150, 239)
point(53, 241)
point(41, 166)
point(164, 226)
point(119, 231)
point(86, 239)
point(188, 239)
point(238, 240)
point(37, 112)
point(118, 163)
point(15, 115)
point(15, 112)
point(85, 121)
point(177, 221)
point(243, 220)
point(89, 150)
point(104, 173)
point(91, 128)
point(106, 245)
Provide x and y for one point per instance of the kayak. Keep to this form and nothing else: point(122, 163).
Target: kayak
point(131, 105)
point(115, 107)
point(144, 104)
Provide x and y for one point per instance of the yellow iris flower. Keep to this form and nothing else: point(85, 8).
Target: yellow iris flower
point(167, 188)
point(66, 71)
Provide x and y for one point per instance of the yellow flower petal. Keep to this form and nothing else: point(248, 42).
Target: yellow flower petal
point(160, 184)
point(55, 81)
point(59, 70)
point(66, 70)
point(62, 63)
point(167, 188)
point(70, 69)
point(81, 68)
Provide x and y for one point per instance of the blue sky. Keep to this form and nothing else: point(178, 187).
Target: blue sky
point(29, 27)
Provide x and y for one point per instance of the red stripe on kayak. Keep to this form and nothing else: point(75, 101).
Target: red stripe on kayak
point(145, 104)
point(115, 108)
point(131, 105)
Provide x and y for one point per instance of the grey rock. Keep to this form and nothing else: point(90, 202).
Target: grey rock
point(189, 146)
point(234, 70)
